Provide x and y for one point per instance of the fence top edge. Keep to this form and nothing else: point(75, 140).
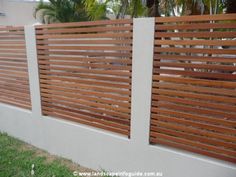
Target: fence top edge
point(86, 23)
point(189, 18)
point(11, 28)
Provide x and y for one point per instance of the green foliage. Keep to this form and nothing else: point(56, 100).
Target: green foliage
point(96, 10)
point(61, 11)
point(137, 9)
point(83, 10)
point(190, 7)
point(15, 161)
point(132, 8)
point(119, 8)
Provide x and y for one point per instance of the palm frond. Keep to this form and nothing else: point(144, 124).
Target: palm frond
point(61, 11)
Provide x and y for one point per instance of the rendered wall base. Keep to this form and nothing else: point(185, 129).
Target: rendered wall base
point(98, 149)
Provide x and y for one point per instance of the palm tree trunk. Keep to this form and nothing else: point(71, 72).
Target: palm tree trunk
point(153, 8)
point(123, 9)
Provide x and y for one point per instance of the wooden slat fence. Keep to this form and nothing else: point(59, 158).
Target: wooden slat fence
point(194, 85)
point(85, 72)
point(14, 83)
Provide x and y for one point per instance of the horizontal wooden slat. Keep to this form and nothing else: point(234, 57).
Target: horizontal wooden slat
point(190, 88)
point(14, 56)
point(127, 48)
point(87, 70)
point(86, 64)
point(197, 42)
point(14, 102)
point(88, 116)
point(85, 53)
point(84, 59)
point(196, 131)
point(197, 96)
point(120, 122)
point(13, 71)
point(214, 116)
point(11, 37)
point(88, 41)
point(116, 115)
point(195, 18)
point(206, 140)
point(50, 83)
point(88, 76)
point(213, 67)
point(12, 63)
point(88, 82)
point(195, 58)
point(191, 148)
point(16, 42)
point(196, 34)
point(84, 29)
point(12, 46)
point(80, 24)
point(25, 101)
point(60, 114)
point(195, 81)
point(211, 121)
point(191, 116)
point(204, 114)
point(199, 145)
point(74, 36)
point(16, 33)
point(87, 102)
point(194, 50)
point(79, 95)
point(21, 94)
point(87, 93)
point(198, 103)
point(6, 28)
point(197, 74)
point(12, 50)
point(15, 87)
point(192, 26)
point(13, 80)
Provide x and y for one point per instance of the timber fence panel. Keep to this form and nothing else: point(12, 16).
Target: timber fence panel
point(14, 80)
point(85, 72)
point(194, 85)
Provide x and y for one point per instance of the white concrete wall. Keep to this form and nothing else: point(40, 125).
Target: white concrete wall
point(17, 12)
point(98, 149)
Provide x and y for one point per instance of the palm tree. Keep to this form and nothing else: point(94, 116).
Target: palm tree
point(137, 8)
point(153, 8)
point(61, 11)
